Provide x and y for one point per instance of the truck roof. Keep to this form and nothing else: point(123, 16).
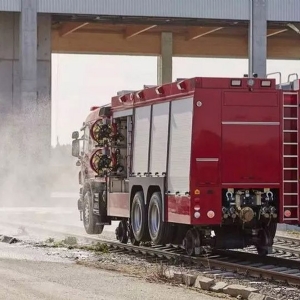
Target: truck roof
point(185, 87)
point(95, 113)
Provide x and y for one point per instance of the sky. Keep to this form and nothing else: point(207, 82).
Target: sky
point(81, 81)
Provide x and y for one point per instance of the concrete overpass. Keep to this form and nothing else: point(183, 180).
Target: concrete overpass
point(30, 30)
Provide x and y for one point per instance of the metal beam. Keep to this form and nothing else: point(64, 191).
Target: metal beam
point(271, 32)
point(293, 27)
point(258, 38)
point(150, 44)
point(194, 33)
point(71, 27)
point(136, 29)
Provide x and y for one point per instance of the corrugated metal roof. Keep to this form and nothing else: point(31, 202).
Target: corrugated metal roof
point(10, 5)
point(284, 10)
point(278, 10)
point(213, 9)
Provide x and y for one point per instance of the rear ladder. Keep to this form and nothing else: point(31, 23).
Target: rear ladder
point(290, 157)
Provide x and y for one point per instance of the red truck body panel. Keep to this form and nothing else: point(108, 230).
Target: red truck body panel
point(236, 141)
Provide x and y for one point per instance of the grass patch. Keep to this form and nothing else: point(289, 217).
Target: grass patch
point(98, 247)
point(49, 240)
point(72, 243)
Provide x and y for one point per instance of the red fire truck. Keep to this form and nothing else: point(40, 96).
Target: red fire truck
point(197, 162)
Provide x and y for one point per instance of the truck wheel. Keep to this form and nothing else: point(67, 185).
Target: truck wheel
point(89, 219)
point(138, 218)
point(266, 236)
point(160, 232)
point(179, 233)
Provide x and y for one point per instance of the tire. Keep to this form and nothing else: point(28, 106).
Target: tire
point(160, 232)
point(272, 229)
point(178, 234)
point(89, 219)
point(122, 232)
point(138, 218)
point(267, 235)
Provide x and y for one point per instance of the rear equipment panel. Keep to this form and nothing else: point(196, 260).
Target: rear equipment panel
point(236, 146)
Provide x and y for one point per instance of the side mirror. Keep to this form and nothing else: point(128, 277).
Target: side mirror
point(75, 148)
point(75, 135)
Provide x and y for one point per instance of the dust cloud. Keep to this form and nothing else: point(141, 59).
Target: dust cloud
point(38, 183)
point(32, 170)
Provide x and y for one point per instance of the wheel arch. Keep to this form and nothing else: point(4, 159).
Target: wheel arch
point(151, 190)
point(134, 190)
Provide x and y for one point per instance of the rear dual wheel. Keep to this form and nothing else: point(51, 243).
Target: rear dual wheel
point(266, 237)
point(138, 219)
point(160, 231)
point(147, 223)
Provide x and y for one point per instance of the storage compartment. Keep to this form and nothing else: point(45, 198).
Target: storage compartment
point(208, 172)
point(251, 154)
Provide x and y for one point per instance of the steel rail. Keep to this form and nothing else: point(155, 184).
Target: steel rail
point(282, 238)
point(248, 264)
point(283, 246)
point(288, 245)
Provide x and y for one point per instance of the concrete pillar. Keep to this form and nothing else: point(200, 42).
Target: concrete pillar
point(258, 38)
point(164, 61)
point(44, 83)
point(25, 103)
point(9, 67)
point(28, 56)
point(35, 64)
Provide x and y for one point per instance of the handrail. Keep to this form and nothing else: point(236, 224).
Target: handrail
point(280, 77)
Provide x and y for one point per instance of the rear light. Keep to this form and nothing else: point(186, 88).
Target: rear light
point(197, 215)
point(287, 213)
point(250, 82)
point(197, 207)
point(236, 82)
point(210, 214)
point(265, 83)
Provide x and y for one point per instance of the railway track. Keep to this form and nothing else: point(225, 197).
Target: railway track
point(271, 268)
point(284, 247)
point(287, 245)
point(248, 264)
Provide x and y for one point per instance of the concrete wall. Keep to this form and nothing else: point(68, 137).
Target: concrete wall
point(30, 74)
point(25, 100)
point(9, 64)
